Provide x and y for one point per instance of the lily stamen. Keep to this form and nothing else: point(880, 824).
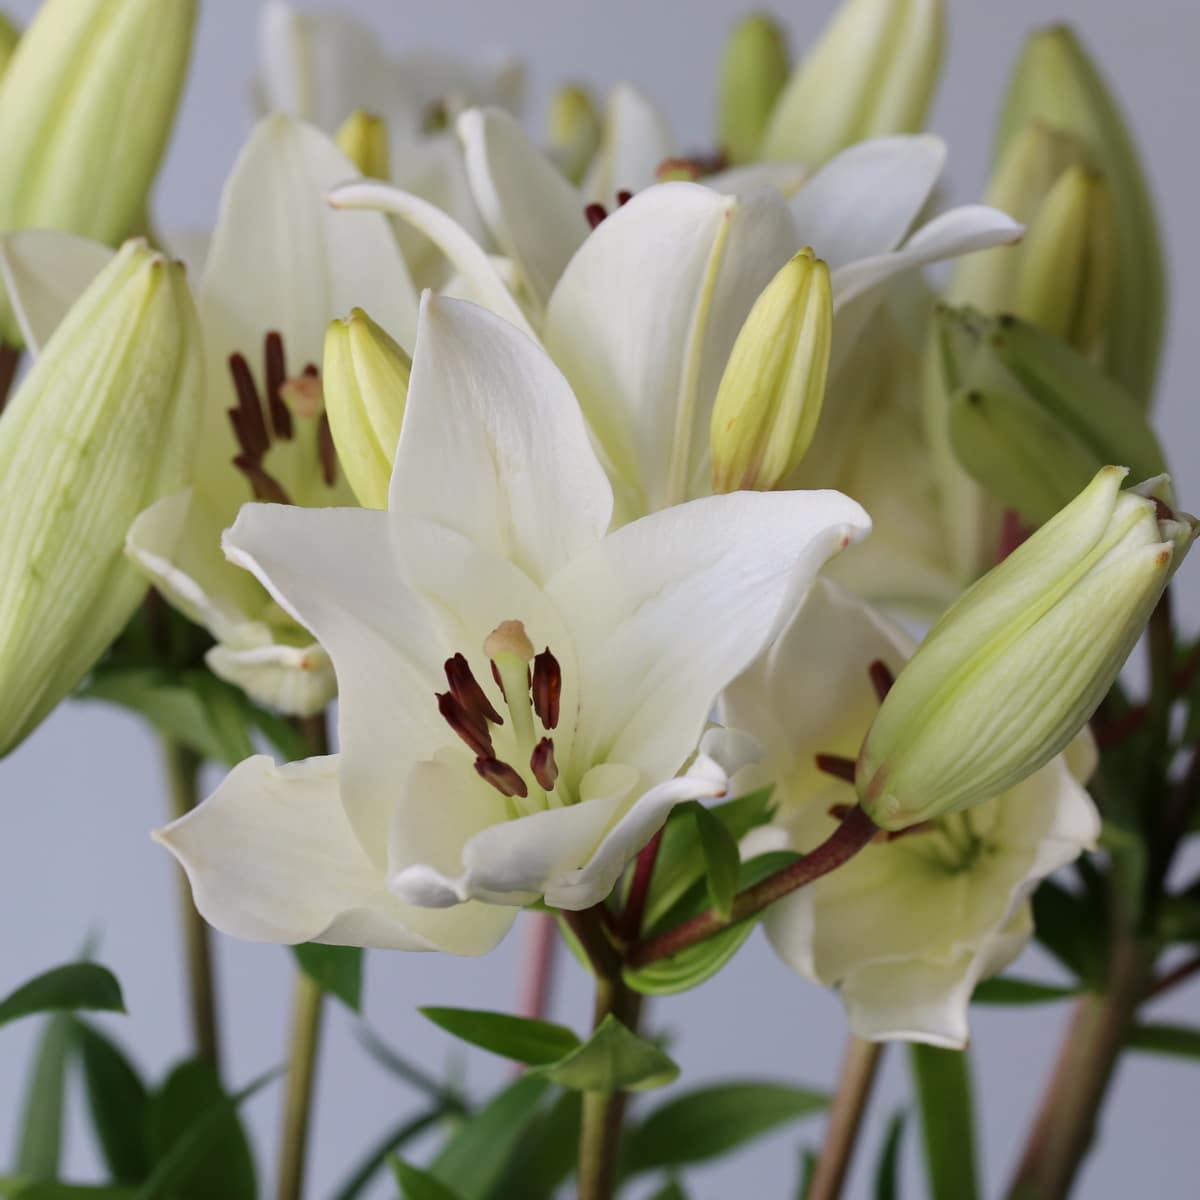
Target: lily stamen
point(543, 764)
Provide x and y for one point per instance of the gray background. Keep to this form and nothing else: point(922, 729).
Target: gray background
point(80, 796)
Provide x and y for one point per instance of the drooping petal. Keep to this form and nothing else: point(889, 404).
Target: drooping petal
point(271, 857)
point(43, 273)
point(494, 445)
point(667, 611)
point(534, 214)
point(863, 201)
point(635, 140)
point(785, 178)
point(467, 257)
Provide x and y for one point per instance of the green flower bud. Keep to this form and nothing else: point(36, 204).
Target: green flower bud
point(1033, 420)
point(363, 139)
point(872, 72)
point(366, 384)
point(754, 69)
point(9, 37)
point(103, 425)
point(1018, 664)
point(770, 395)
point(1056, 83)
point(575, 130)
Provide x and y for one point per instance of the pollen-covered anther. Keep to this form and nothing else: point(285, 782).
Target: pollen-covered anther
point(469, 726)
point(467, 691)
point(881, 678)
point(595, 214)
point(501, 776)
point(547, 688)
point(543, 764)
point(836, 765)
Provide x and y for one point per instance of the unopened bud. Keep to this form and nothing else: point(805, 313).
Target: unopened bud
point(574, 132)
point(363, 139)
point(1013, 670)
point(103, 425)
point(1033, 420)
point(754, 70)
point(366, 385)
point(1056, 83)
point(872, 72)
point(771, 393)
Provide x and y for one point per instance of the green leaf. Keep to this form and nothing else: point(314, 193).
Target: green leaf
point(710, 1121)
point(887, 1170)
point(117, 1101)
point(72, 1191)
point(613, 1059)
point(477, 1155)
point(1180, 1041)
point(546, 1154)
point(396, 1064)
point(1072, 929)
point(375, 1158)
point(416, 1184)
point(39, 1143)
point(721, 859)
point(523, 1039)
point(337, 970)
point(671, 1190)
point(1008, 989)
point(72, 986)
point(808, 1171)
point(196, 1141)
point(943, 1085)
point(680, 861)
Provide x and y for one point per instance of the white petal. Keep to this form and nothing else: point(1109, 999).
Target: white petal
point(785, 178)
point(667, 611)
point(271, 857)
point(533, 212)
point(494, 445)
point(636, 139)
point(643, 319)
point(429, 77)
point(44, 272)
point(467, 257)
point(863, 201)
point(297, 681)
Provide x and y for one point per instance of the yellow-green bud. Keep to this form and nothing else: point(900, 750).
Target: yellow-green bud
point(366, 385)
point(103, 425)
point(10, 35)
point(754, 70)
point(771, 393)
point(575, 130)
point(363, 139)
point(1056, 82)
point(872, 72)
point(1068, 261)
point(1033, 420)
point(1011, 672)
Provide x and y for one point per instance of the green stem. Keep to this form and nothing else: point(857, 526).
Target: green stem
point(182, 769)
point(308, 1002)
point(860, 1068)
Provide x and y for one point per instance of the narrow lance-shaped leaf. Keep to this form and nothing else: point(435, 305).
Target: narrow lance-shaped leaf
point(523, 1039)
point(79, 985)
point(337, 970)
point(613, 1059)
point(943, 1085)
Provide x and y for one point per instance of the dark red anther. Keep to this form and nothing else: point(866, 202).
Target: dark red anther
point(265, 487)
point(543, 766)
point(467, 691)
point(881, 678)
point(253, 433)
point(837, 766)
point(623, 197)
point(595, 213)
point(239, 431)
point(501, 776)
point(276, 376)
point(326, 451)
point(547, 688)
point(471, 728)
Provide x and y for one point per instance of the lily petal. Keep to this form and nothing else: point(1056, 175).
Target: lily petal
point(636, 139)
point(494, 445)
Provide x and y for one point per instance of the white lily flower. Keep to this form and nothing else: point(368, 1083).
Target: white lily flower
point(910, 925)
point(281, 263)
point(449, 791)
point(642, 312)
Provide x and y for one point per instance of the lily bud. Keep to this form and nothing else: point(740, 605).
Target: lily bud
point(754, 70)
point(1013, 670)
point(872, 72)
point(9, 37)
point(1056, 83)
point(575, 130)
point(1068, 261)
point(771, 393)
point(103, 425)
point(363, 139)
point(1030, 418)
point(366, 385)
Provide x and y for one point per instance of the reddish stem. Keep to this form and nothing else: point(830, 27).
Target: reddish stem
point(1174, 977)
point(855, 832)
point(639, 889)
point(537, 983)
